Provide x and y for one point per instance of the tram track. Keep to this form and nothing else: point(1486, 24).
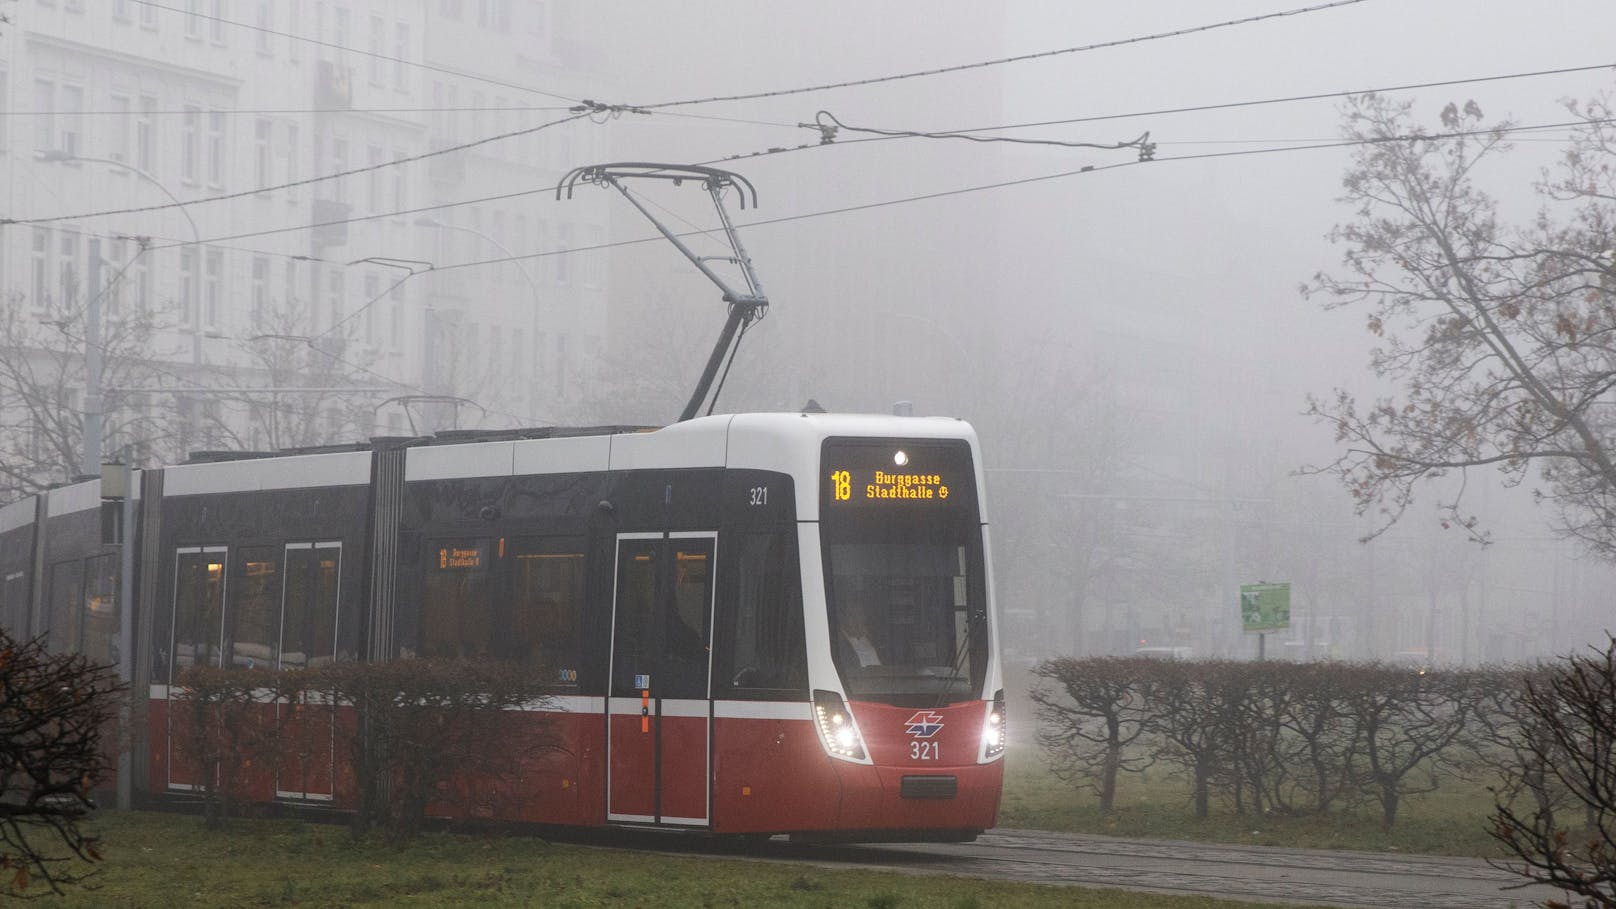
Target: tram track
point(1250, 873)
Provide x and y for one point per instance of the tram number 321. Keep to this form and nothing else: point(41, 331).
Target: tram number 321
point(758, 495)
point(925, 751)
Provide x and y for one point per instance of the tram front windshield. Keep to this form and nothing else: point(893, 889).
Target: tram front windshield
point(904, 579)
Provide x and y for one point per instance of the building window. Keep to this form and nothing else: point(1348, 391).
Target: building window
point(120, 10)
point(293, 37)
point(112, 289)
point(142, 269)
point(216, 148)
point(373, 292)
point(563, 259)
point(67, 266)
point(498, 231)
point(449, 9)
point(400, 201)
point(561, 365)
point(373, 180)
point(291, 162)
point(378, 50)
point(193, 19)
point(190, 142)
point(339, 164)
point(41, 269)
point(148, 16)
point(401, 52)
point(266, 24)
point(213, 289)
point(72, 119)
point(262, 131)
point(260, 289)
point(597, 260)
point(44, 115)
point(336, 290)
point(216, 32)
point(341, 28)
point(291, 283)
point(188, 285)
point(145, 132)
point(494, 14)
point(118, 143)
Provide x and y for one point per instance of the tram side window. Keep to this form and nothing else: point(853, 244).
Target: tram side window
point(309, 626)
point(101, 609)
point(457, 613)
point(546, 605)
point(761, 650)
point(66, 606)
point(198, 609)
point(256, 612)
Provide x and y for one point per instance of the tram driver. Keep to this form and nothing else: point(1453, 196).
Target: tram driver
point(857, 646)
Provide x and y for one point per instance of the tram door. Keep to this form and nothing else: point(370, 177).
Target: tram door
point(658, 712)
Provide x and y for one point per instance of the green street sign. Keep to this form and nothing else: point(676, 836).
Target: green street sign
point(1265, 607)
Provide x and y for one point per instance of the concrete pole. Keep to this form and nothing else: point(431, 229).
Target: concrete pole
point(126, 630)
point(90, 464)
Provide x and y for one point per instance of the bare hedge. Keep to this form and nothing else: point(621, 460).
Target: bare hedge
point(405, 735)
point(1291, 738)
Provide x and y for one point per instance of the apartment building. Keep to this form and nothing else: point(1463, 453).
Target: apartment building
point(204, 125)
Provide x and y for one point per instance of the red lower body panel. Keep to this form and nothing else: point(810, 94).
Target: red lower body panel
point(767, 772)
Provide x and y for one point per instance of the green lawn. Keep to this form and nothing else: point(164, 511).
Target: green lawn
point(1450, 821)
point(162, 860)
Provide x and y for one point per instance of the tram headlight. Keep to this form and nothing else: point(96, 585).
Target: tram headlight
point(837, 732)
point(993, 730)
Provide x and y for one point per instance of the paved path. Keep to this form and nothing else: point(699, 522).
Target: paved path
point(1251, 873)
point(1257, 873)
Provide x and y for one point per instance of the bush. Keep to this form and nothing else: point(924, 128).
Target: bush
point(1571, 709)
point(422, 725)
point(55, 713)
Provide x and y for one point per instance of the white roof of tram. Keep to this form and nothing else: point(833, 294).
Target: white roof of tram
point(785, 442)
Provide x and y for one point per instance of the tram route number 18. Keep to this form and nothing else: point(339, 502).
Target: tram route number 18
point(842, 481)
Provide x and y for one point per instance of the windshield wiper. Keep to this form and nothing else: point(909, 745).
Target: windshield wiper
point(972, 620)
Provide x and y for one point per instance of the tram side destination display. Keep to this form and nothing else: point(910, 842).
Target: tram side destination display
point(897, 476)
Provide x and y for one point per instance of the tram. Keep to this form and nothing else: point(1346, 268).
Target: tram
point(750, 623)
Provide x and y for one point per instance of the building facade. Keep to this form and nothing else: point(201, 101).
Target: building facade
point(288, 309)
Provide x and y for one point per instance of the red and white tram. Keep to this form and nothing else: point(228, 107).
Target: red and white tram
point(755, 623)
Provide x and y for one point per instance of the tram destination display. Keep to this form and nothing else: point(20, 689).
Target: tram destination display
point(899, 475)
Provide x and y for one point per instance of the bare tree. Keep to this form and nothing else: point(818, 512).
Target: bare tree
point(1319, 745)
point(1091, 717)
point(1572, 713)
point(1501, 340)
point(43, 381)
point(1190, 721)
point(55, 713)
point(1406, 722)
point(292, 385)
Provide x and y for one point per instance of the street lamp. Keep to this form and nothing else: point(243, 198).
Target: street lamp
point(516, 260)
point(90, 461)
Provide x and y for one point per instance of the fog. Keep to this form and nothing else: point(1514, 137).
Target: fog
point(1130, 341)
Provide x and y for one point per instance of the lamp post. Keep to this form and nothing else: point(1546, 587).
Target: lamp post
point(90, 460)
point(516, 260)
